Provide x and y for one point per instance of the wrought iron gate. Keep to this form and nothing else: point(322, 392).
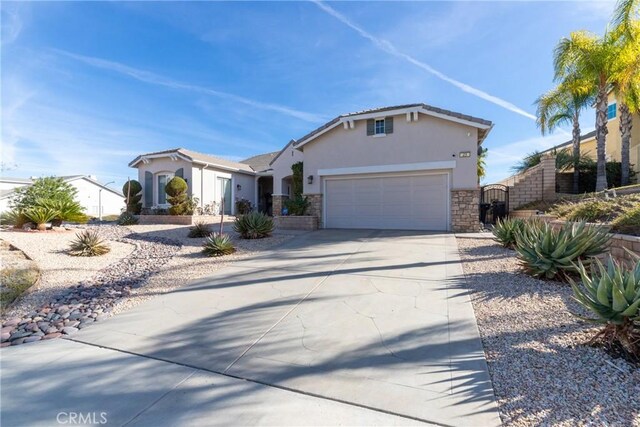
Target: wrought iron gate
point(494, 203)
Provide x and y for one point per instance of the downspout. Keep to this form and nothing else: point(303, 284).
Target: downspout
point(202, 187)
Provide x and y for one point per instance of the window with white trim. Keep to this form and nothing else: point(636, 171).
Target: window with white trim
point(162, 185)
point(379, 127)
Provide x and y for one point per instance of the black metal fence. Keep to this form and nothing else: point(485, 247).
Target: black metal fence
point(494, 203)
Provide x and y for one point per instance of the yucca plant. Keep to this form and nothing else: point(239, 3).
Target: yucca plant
point(254, 225)
point(40, 216)
point(127, 218)
point(218, 244)
point(612, 295)
point(88, 243)
point(506, 229)
point(199, 229)
point(552, 253)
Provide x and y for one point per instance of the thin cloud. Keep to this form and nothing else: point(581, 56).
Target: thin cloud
point(386, 46)
point(155, 79)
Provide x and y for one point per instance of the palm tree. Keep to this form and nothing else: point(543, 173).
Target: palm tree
point(595, 60)
point(482, 163)
point(561, 105)
point(626, 83)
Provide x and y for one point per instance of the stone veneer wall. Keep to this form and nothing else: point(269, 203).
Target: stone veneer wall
point(180, 219)
point(277, 203)
point(465, 211)
point(315, 207)
point(306, 222)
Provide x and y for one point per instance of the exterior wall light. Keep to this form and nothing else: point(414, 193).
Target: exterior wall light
point(310, 179)
point(238, 187)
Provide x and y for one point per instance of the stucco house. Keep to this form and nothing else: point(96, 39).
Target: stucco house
point(613, 148)
point(402, 167)
point(92, 195)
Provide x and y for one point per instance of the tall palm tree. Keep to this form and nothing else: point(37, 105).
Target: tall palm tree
point(595, 60)
point(563, 105)
point(626, 82)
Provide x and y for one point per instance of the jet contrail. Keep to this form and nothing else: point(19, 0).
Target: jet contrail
point(386, 46)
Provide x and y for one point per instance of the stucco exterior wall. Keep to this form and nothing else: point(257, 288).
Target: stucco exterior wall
point(201, 180)
point(429, 139)
point(282, 167)
point(89, 196)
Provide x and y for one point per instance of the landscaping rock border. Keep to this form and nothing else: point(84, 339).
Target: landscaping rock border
point(94, 299)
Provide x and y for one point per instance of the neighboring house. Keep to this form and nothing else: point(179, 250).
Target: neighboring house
point(404, 167)
point(91, 194)
point(614, 141)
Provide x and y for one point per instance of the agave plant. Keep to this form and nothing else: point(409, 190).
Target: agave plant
point(506, 229)
point(41, 215)
point(612, 294)
point(553, 253)
point(218, 244)
point(88, 243)
point(199, 229)
point(254, 225)
point(127, 218)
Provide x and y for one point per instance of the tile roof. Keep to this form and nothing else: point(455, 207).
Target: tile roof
point(261, 162)
point(198, 157)
point(399, 107)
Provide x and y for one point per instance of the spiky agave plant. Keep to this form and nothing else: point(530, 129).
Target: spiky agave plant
point(612, 295)
point(88, 243)
point(254, 225)
point(218, 244)
point(506, 229)
point(127, 218)
point(553, 253)
point(199, 229)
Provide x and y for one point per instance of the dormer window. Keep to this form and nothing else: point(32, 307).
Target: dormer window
point(379, 129)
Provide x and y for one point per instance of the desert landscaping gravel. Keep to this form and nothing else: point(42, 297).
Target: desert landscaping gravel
point(542, 370)
point(149, 260)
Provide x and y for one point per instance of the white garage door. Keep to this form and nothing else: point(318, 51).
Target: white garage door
point(408, 202)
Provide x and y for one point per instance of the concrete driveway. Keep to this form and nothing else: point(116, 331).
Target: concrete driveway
point(352, 327)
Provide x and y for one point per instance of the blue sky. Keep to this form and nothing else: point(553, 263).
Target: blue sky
point(87, 86)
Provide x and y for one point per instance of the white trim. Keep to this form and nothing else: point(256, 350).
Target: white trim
point(407, 167)
point(381, 114)
point(379, 135)
point(387, 175)
point(455, 119)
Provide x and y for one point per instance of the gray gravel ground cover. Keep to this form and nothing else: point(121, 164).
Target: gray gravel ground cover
point(151, 259)
point(542, 371)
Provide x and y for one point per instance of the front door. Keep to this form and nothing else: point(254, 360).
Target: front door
point(224, 187)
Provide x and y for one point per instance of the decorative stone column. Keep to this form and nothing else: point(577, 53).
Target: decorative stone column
point(465, 211)
point(315, 207)
point(277, 203)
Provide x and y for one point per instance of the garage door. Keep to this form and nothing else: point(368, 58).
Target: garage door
point(408, 202)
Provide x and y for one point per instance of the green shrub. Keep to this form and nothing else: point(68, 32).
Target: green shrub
point(218, 244)
point(13, 217)
point(127, 218)
point(254, 225)
point(50, 188)
point(506, 229)
point(612, 295)
point(41, 216)
point(88, 243)
point(199, 229)
point(176, 190)
point(591, 211)
point(628, 222)
point(132, 191)
point(243, 206)
point(298, 205)
point(552, 253)
point(68, 210)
